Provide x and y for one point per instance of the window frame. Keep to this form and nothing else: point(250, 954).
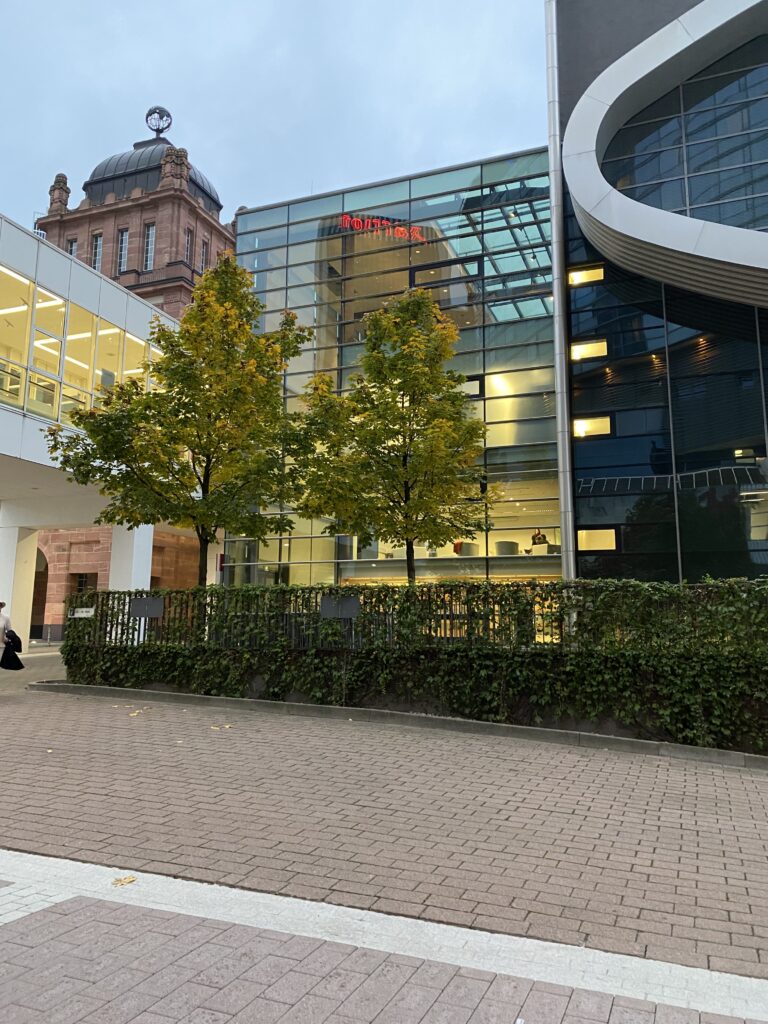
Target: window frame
point(148, 254)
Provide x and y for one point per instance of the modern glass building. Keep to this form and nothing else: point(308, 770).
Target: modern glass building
point(478, 237)
point(612, 300)
point(663, 295)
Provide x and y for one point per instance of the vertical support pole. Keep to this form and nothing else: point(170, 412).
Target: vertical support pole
point(18, 558)
point(130, 564)
point(559, 298)
point(214, 553)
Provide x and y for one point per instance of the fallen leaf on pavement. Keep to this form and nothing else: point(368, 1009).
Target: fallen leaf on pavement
point(125, 880)
point(215, 727)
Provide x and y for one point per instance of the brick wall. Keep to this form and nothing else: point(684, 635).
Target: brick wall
point(69, 552)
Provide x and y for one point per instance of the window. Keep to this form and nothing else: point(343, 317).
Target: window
point(81, 582)
point(204, 255)
point(585, 276)
point(96, 249)
point(593, 427)
point(589, 349)
point(149, 247)
point(72, 246)
point(596, 540)
point(189, 246)
point(122, 250)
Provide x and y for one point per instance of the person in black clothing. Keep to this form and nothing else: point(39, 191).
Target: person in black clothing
point(539, 537)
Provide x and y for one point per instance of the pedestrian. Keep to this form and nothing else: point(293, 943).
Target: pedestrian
point(9, 659)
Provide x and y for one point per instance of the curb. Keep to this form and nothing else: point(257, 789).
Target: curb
point(413, 720)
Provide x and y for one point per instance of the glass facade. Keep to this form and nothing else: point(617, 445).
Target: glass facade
point(61, 340)
point(668, 388)
point(478, 237)
point(702, 149)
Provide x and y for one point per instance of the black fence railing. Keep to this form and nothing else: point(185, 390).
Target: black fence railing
point(604, 615)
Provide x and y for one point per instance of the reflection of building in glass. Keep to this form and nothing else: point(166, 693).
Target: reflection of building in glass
point(478, 237)
point(666, 327)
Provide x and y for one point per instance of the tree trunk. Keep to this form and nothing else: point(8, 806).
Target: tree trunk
point(410, 562)
point(202, 564)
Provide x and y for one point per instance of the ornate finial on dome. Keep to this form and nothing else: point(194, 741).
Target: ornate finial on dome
point(159, 120)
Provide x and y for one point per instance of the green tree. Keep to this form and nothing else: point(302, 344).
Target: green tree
point(397, 457)
point(206, 447)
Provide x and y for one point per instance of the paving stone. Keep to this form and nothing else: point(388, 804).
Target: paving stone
point(235, 996)
point(187, 997)
point(675, 1015)
point(444, 854)
point(462, 991)
point(375, 992)
point(311, 1009)
point(594, 1006)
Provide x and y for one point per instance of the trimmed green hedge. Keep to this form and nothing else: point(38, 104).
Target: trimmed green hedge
point(687, 664)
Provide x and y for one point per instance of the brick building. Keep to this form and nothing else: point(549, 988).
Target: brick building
point(150, 221)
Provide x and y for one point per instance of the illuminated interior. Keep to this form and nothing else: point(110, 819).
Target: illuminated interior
point(55, 355)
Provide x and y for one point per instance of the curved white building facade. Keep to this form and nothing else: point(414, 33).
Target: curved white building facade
point(664, 295)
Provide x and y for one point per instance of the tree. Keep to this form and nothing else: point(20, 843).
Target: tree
point(397, 458)
point(205, 447)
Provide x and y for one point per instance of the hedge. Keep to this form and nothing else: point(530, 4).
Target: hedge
point(680, 663)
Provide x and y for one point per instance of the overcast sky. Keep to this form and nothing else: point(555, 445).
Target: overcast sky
point(273, 99)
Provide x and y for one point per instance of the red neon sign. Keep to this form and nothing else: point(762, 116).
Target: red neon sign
point(382, 226)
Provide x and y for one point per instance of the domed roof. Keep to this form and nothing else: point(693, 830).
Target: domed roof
point(140, 167)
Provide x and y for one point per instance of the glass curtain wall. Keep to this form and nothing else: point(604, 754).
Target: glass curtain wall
point(55, 355)
point(668, 388)
point(478, 237)
point(702, 149)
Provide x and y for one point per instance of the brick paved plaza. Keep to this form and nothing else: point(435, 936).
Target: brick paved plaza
point(635, 855)
point(104, 963)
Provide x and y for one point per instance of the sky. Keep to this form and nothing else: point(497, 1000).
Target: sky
point(273, 99)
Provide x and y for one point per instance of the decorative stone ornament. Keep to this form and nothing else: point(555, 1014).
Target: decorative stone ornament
point(174, 169)
point(59, 193)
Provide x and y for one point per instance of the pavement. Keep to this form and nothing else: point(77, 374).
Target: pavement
point(636, 877)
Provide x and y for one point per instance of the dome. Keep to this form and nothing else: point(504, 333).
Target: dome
point(140, 168)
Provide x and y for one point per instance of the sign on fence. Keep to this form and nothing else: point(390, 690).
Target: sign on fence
point(332, 606)
point(82, 613)
point(146, 608)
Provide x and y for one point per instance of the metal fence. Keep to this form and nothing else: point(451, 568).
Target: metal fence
point(601, 614)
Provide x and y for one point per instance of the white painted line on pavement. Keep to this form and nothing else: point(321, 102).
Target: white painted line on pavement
point(575, 966)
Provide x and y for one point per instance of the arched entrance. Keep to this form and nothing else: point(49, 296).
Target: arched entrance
point(39, 596)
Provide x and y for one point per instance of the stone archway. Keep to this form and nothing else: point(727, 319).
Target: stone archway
point(39, 596)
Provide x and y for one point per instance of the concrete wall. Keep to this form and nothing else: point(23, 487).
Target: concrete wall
point(592, 34)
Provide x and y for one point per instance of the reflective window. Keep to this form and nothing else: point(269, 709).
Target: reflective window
point(479, 239)
point(257, 219)
point(97, 243)
point(726, 158)
point(46, 354)
point(15, 315)
point(49, 312)
point(148, 259)
point(109, 348)
point(78, 358)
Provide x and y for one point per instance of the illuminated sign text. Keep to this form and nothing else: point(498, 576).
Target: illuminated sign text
point(382, 226)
